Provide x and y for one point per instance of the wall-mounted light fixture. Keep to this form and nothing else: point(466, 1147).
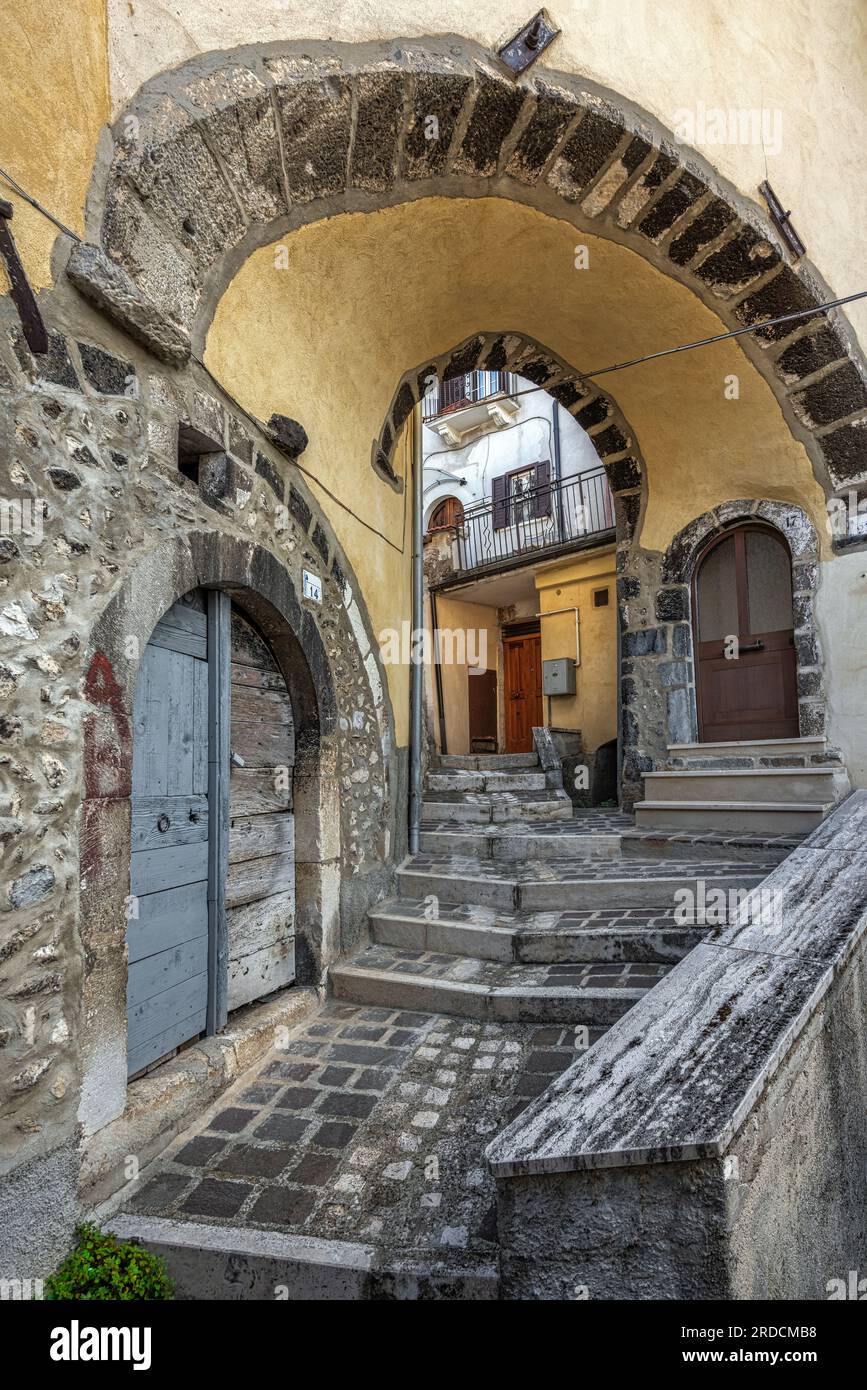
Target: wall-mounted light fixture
point(523, 50)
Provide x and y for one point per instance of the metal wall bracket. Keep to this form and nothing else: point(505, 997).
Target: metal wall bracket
point(19, 287)
point(523, 50)
point(780, 219)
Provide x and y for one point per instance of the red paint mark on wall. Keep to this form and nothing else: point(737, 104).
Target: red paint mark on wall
point(107, 734)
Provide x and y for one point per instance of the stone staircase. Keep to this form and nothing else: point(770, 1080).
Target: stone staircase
point(350, 1162)
point(515, 915)
point(767, 787)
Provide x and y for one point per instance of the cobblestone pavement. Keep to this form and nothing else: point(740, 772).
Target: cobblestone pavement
point(369, 1125)
point(467, 969)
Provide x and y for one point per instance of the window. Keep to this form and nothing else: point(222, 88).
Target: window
point(600, 598)
point(522, 496)
point(447, 513)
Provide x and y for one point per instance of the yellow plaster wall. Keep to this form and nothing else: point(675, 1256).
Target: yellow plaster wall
point(55, 102)
point(593, 708)
point(801, 59)
point(457, 616)
point(323, 331)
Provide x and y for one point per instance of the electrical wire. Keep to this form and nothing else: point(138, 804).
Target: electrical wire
point(35, 203)
point(600, 371)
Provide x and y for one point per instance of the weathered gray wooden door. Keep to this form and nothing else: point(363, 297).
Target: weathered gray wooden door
point(167, 941)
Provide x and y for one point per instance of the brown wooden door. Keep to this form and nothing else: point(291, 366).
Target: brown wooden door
point(522, 660)
point(743, 589)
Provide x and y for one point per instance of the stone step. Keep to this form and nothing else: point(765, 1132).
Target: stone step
point(235, 1263)
point(573, 884)
point(518, 781)
point(482, 808)
point(545, 840)
point(647, 842)
point(801, 785)
point(750, 749)
point(756, 817)
point(485, 762)
point(593, 995)
point(637, 934)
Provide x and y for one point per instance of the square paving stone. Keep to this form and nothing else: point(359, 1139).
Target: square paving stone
point(341, 1103)
point(363, 1055)
point(283, 1206)
point(314, 1170)
point(260, 1094)
point(214, 1197)
point(254, 1162)
point(161, 1192)
point(401, 1037)
point(334, 1135)
point(372, 1080)
point(199, 1150)
point(549, 1062)
point(364, 1032)
point(233, 1120)
point(286, 1128)
point(297, 1098)
point(335, 1076)
point(290, 1071)
point(411, 1020)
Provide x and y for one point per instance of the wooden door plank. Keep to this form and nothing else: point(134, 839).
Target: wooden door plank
point(148, 1017)
point(259, 791)
point(153, 870)
point(156, 973)
point(261, 972)
point(167, 919)
point(187, 817)
point(256, 837)
point(143, 1053)
point(259, 878)
point(252, 703)
point(263, 745)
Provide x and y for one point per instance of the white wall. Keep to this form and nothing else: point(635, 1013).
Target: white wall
point(526, 441)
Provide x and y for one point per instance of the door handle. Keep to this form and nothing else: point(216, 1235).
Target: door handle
point(753, 647)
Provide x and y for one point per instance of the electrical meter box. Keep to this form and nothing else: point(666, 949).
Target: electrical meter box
point(558, 677)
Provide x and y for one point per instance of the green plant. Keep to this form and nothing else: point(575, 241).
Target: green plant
point(102, 1267)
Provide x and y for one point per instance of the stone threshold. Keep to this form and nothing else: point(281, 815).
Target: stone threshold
point(163, 1103)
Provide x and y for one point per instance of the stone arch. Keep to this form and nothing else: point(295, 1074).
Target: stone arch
point(674, 599)
point(231, 150)
point(202, 559)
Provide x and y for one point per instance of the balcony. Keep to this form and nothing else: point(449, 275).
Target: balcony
point(462, 404)
point(543, 521)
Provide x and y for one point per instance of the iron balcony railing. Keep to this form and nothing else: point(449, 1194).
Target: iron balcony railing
point(469, 388)
point(548, 517)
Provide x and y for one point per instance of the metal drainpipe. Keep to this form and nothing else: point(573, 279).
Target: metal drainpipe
point(558, 471)
point(416, 692)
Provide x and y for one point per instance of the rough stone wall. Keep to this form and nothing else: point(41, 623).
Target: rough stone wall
point(640, 1233)
point(797, 1213)
point(88, 438)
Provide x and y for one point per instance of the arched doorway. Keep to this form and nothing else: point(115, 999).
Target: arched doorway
point(212, 869)
point(743, 632)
